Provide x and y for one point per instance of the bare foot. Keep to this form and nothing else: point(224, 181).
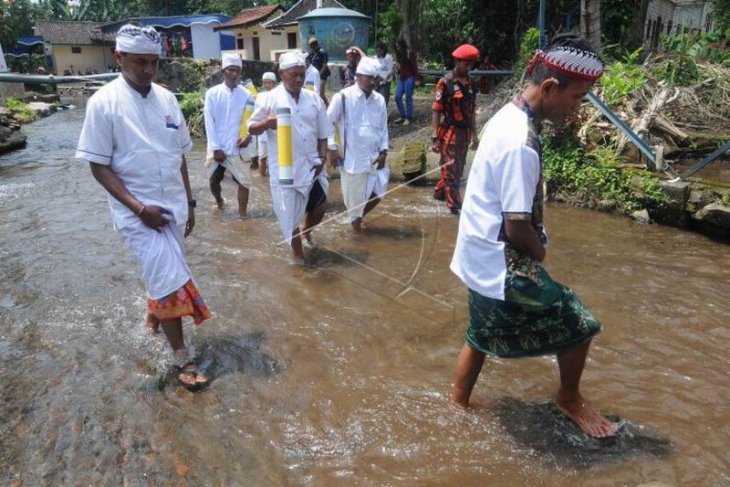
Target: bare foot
point(243, 215)
point(220, 203)
point(588, 419)
point(151, 324)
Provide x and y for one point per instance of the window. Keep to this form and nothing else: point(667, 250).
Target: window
point(239, 43)
point(291, 40)
point(75, 50)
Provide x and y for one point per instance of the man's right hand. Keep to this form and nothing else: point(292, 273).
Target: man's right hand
point(436, 145)
point(154, 217)
point(219, 155)
point(271, 122)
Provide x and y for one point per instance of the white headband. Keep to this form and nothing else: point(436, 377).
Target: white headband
point(290, 60)
point(134, 39)
point(268, 76)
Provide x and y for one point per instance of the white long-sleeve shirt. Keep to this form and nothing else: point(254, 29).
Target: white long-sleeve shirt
point(223, 112)
point(309, 123)
point(312, 77)
point(363, 126)
point(386, 67)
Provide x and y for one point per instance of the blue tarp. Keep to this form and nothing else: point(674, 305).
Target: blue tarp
point(169, 22)
point(29, 40)
point(25, 46)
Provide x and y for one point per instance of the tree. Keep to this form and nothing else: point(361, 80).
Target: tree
point(17, 19)
point(410, 11)
point(636, 38)
point(590, 22)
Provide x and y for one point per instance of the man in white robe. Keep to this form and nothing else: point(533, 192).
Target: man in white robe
point(134, 137)
point(359, 114)
point(306, 192)
point(224, 107)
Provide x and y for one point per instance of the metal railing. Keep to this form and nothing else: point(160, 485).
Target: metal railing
point(49, 79)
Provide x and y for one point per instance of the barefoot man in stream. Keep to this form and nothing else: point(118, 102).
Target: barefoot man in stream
point(134, 137)
point(515, 308)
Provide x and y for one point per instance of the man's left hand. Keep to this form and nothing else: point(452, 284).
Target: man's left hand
point(244, 141)
point(318, 169)
point(191, 222)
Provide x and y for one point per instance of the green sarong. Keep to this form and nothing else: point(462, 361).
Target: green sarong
point(543, 318)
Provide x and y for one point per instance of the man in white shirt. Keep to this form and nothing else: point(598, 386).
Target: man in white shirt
point(312, 80)
point(134, 137)
point(386, 71)
point(358, 113)
point(268, 81)
point(223, 112)
point(303, 189)
point(515, 308)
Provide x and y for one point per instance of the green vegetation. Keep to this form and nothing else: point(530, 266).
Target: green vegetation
point(529, 43)
point(622, 78)
point(596, 178)
point(192, 105)
point(20, 111)
point(685, 51)
point(726, 199)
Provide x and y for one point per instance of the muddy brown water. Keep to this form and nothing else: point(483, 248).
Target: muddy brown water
point(338, 375)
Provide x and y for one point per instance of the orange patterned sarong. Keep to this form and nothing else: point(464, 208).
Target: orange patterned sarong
point(186, 301)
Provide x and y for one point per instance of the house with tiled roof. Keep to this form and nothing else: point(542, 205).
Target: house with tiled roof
point(254, 42)
point(263, 33)
point(76, 46)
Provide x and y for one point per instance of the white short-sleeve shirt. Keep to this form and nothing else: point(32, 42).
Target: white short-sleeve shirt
point(309, 123)
point(142, 139)
point(503, 179)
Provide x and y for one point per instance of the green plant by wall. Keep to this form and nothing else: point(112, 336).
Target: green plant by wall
point(622, 78)
point(20, 111)
point(528, 45)
point(192, 105)
point(595, 178)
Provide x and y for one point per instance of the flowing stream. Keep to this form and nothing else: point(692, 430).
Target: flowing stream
point(339, 374)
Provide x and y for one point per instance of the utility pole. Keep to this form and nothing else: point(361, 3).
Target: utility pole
point(541, 23)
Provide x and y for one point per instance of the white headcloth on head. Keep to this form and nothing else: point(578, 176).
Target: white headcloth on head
point(368, 67)
point(231, 60)
point(135, 39)
point(290, 60)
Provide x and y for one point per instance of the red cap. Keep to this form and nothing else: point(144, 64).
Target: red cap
point(467, 52)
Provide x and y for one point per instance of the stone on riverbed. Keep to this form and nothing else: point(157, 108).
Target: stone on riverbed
point(11, 139)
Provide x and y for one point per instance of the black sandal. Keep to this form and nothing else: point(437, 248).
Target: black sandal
point(184, 369)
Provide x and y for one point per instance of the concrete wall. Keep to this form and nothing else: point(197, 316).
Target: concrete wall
point(91, 57)
point(206, 42)
point(270, 42)
point(14, 90)
point(674, 16)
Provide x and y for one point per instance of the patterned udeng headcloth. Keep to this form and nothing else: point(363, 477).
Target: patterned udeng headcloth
point(568, 60)
point(135, 39)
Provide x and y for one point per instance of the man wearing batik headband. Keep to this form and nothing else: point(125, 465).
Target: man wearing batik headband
point(223, 112)
point(134, 136)
point(303, 194)
point(515, 308)
point(452, 125)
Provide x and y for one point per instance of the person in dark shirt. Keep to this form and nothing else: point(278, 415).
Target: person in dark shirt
point(319, 59)
point(347, 75)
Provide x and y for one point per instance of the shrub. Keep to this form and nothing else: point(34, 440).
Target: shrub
point(21, 112)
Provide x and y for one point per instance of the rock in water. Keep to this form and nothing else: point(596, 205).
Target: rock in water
point(542, 428)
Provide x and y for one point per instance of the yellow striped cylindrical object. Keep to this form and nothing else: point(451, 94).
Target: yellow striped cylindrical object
point(247, 112)
point(284, 146)
point(338, 141)
point(309, 85)
point(251, 87)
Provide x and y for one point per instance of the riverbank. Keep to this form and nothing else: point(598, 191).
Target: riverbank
point(16, 112)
